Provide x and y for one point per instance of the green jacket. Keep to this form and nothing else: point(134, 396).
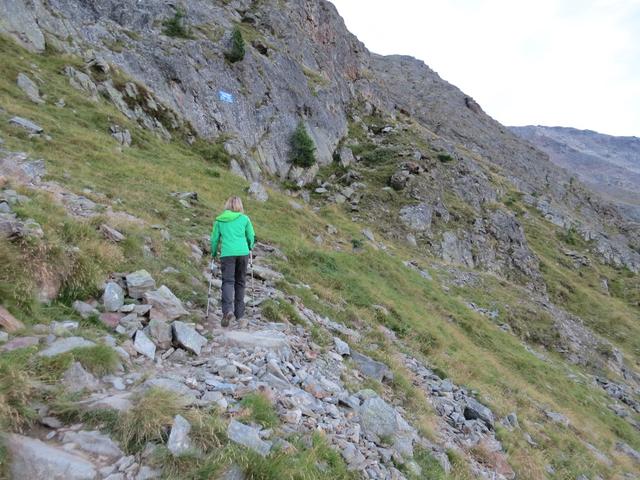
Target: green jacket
point(236, 232)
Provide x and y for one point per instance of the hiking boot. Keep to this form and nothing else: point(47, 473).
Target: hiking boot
point(243, 323)
point(226, 318)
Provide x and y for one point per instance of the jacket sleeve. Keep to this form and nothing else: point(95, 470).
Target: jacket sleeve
point(250, 234)
point(215, 239)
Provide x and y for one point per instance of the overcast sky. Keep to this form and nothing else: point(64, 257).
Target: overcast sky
point(573, 63)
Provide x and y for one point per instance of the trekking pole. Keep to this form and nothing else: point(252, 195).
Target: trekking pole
point(253, 288)
point(210, 282)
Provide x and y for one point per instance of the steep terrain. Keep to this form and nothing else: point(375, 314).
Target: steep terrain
point(610, 165)
point(434, 299)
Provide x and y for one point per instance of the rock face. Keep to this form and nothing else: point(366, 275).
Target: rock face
point(36, 460)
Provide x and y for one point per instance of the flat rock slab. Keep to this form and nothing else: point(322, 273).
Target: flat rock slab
point(248, 436)
point(64, 345)
point(28, 125)
point(94, 442)
point(264, 339)
point(35, 460)
point(187, 337)
point(20, 342)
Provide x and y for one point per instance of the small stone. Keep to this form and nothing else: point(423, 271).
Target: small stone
point(160, 332)
point(84, 309)
point(557, 418)
point(77, 379)
point(368, 234)
point(113, 297)
point(179, 441)
point(165, 305)
point(249, 437)
point(187, 337)
point(475, 410)
point(29, 87)
point(63, 327)
point(342, 347)
point(138, 283)
point(143, 345)
point(111, 233)
point(111, 319)
point(28, 125)
point(20, 342)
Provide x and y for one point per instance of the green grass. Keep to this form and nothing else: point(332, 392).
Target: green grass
point(150, 419)
point(99, 360)
point(280, 311)
point(259, 409)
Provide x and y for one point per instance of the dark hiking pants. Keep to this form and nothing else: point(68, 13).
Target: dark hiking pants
point(234, 272)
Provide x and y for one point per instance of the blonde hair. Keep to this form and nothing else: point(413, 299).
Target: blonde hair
point(234, 204)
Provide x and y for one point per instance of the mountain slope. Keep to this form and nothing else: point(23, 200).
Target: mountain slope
point(422, 250)
point(610, 165)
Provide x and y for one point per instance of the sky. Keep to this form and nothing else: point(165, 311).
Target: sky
point(571, 63)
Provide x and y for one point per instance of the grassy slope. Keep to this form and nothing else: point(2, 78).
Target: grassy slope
point(462, 344)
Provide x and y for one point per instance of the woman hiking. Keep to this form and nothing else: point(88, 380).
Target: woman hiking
point(236, 232)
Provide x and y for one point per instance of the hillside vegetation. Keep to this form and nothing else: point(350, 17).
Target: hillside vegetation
point(516, 360)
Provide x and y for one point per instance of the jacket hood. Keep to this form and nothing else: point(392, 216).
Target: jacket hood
point(228, 216)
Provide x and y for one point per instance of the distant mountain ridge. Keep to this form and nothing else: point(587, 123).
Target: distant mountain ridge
point(609, 164)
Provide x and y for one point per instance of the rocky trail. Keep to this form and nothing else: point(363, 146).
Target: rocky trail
point(210, 366)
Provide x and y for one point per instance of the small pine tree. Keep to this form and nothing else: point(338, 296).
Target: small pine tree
point(237, 47)
point(302, 148)
point(175, 26)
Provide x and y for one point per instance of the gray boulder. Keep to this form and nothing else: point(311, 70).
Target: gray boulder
point(28, 125)
point(475, 410)
point(35, 460)
point(29, 87)
point(179, 441)
point(165, 305)
point(138, 283)
point(248, 436)
point(160, 333)
point(342, 347)
point(143, 345)
point(77, 379)
point(380, 419)
point(372, 368)
point(345, 156)
point(113, 297)
point(122, 135)
point(187, 394)
point(64, 345)
point(187, 337)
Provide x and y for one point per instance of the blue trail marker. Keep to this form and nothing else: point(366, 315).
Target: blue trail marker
point(225, 96)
